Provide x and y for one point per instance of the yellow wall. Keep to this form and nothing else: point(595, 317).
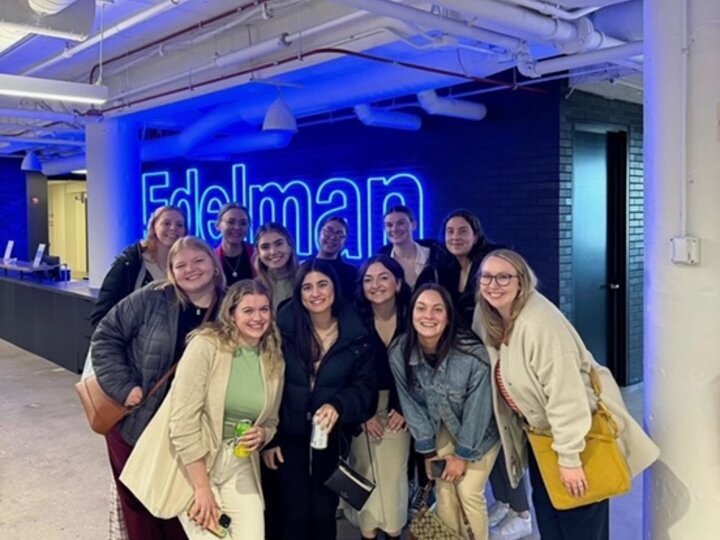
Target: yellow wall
point(67, 223)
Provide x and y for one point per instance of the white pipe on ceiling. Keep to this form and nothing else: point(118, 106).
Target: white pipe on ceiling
point(570, 37)
point(374, 117)
point(428, 20)
point(456, 108)
point(49, 7)
point(553, 10)
point(42, 141)
point(38, 114)
point(611, 54)
point(126, 24)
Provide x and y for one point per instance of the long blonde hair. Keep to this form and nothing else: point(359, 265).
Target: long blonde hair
point(226, 332)
point(497, 331)
point(193, 242)
point(151, 240)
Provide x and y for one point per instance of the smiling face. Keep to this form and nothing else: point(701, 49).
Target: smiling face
point(332, 239)
point(317, 293)
point(169, 226)
point(193, 270)
point(252, 318)
point(399, 228)
point(274, 250)
point(499, 284)
point(234, 226)
point(379, 284)
point(429, 319)
point(459, 236)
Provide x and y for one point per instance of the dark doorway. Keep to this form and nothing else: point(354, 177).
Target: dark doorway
point(600, 244)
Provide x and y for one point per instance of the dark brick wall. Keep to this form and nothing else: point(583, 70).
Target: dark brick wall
point(505, 168)
point(589, 109)
point(13, 208)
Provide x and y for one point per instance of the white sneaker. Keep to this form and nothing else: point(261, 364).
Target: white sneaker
point(514, 527)
point(497, 513)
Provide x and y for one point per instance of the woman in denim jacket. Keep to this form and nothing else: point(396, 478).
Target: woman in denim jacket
point(443, 379)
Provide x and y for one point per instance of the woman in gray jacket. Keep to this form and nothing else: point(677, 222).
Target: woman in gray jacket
point(443, 381)
point(137, 342)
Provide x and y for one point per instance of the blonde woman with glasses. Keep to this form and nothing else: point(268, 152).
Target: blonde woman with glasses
point(541, 376)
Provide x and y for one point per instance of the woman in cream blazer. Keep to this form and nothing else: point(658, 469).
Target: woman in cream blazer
point(184, 464)
point(541, 375)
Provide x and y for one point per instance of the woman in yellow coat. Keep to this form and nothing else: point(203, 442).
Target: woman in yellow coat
point(186, 462)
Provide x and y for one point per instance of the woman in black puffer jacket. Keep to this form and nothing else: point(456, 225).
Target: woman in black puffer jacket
point(329, 378)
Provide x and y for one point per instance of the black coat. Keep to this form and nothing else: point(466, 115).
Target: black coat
point(440, 266)
point(346, 378)
point(119, 281)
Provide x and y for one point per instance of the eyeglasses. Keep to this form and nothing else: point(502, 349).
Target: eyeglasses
point(332, 233)
point(502, 280)
point(236, 222)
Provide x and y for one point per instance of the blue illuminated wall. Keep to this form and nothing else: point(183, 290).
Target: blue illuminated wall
point(13, 207)
point(301, 201)
point(505, 168)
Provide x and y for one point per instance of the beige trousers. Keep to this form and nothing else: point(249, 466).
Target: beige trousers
point(470, 490)
point(235, 488)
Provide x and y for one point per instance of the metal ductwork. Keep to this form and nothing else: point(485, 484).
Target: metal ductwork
point(65, 19)
point(373, 117)
point(434, 104)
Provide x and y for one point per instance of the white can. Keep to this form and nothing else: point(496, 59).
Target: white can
point(319, 437)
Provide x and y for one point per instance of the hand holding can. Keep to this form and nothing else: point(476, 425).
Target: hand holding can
point(242, 427)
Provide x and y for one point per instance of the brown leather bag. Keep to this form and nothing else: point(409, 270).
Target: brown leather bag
point(102, 411)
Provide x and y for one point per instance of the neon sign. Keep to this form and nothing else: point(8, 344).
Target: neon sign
point(298, 204)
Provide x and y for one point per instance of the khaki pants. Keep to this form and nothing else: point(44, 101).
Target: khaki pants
point(470, 490)
point(236, 490)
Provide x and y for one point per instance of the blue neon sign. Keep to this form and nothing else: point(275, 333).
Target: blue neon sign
point(299, 204)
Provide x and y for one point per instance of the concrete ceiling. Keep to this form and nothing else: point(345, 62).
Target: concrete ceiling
point(170, 64)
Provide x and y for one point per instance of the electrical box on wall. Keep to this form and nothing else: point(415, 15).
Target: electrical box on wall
point(685, 250)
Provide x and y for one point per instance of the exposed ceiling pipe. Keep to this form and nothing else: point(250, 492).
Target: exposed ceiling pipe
point(49, 7)
point(622, 21)
point(42, 141)
point(374, 117)
point(428, 20)
point(136, 19)
point(37, 114)
point(611, 54)
point(553, 10)
point(570, 37)
point(249, 53)
point(434, 104)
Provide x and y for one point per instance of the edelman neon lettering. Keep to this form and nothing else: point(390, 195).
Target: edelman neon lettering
point(298, 204)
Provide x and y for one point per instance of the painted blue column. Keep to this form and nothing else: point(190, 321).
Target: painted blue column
point(682, 318)
point(114, 192)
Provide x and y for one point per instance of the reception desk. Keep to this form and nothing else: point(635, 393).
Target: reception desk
point(47, 318)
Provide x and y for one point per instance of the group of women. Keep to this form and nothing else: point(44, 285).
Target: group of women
point(282, 351)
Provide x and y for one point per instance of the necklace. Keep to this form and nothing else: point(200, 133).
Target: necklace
point(233, 268)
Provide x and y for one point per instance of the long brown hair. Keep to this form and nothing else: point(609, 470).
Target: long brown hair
point(225, 330)
point(495, 328)
point(263, 272)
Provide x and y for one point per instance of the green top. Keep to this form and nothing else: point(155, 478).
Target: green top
point(245, 397)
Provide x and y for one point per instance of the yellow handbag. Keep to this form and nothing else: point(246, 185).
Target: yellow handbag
point(606, 469)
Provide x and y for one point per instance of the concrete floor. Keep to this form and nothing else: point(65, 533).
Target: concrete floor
point(54, 473)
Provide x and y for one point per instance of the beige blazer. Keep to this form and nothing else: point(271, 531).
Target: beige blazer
point(546, 370)
point(189, 426)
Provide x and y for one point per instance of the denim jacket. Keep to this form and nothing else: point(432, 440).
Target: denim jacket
point(457, 393)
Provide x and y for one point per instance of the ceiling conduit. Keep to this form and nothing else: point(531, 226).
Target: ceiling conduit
point(374, 117)
point(126, 24)
point(569, 37)
point(17, 21)
point(434, 104)
point(426, 19)
point(562, 63)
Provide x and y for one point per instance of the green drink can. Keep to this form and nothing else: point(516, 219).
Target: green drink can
point(242, 427)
